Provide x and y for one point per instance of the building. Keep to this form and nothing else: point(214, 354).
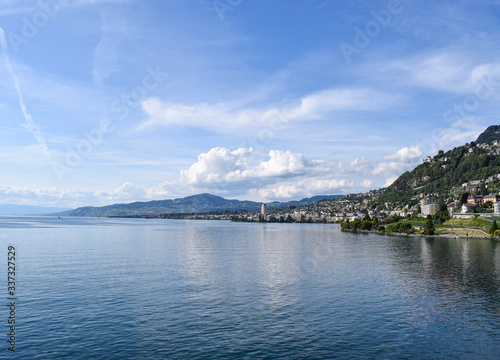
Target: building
point(263, 210)
point(492, 197)
point(497, 208)
point(466, 208)
point(475, 200)
point(451, 208)
point(429, 206)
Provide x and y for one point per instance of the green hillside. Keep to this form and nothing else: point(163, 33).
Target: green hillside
point(445, 174)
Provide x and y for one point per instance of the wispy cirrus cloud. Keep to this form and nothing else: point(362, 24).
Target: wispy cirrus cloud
point(113, 31)
point(226, 117)
point(449, 71)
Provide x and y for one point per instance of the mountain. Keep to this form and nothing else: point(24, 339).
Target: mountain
point(447, 172)
point(492, 133)
point(305, 201)
point(7, 209)
point(191, 204)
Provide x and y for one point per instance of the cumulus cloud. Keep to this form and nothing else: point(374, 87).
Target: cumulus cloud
point(367, 183)
point(275, 175)
point(223, 165)
point(389, 181)
point(403, 160)
point(361, 165)
point(127, 191)
point(303, 188)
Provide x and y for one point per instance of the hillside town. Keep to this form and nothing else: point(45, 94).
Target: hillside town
point(459, 204)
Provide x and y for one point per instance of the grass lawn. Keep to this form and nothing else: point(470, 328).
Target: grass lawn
point(465, 232)
point(469, 222)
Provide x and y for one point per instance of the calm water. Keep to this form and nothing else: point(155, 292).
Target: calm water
point(167, 289)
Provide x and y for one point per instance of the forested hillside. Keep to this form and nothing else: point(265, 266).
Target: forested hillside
point(448, 171)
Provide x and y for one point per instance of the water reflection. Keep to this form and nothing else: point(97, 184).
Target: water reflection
point(441, 278)
point(278, 264)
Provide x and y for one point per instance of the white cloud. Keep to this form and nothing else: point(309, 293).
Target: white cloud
point(60, 197)
point(405, 159)
point(303, 188)
point(224, 165)
point(389, 181)
point(231, 116)
point(367, 183)
point(462, 131)
point(276, 175)
point(361, 165)
point(106, 51)
point(127, 191)
point(446, 71)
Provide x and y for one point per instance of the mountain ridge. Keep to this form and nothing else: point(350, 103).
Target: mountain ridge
point(191, 204)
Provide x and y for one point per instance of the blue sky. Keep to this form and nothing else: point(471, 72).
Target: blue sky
point(106, 101)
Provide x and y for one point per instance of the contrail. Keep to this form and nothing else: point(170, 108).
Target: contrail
point(30, 124)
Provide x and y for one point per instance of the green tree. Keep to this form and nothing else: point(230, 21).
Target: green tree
point(442, 206)
point(429, 226)
point(482, 189)
point(494, 227)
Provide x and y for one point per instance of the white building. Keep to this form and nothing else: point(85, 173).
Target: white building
point(263, 210)
point(497, 207)
point(467, 207)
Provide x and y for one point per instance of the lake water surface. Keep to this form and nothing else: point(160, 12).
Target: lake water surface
point(92, 288)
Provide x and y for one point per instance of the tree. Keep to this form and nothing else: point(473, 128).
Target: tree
point(442, 206)
point(494, 227)
point(482, 189)
point(429, 226)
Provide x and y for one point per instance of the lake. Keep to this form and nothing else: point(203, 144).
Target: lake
point(97, 288)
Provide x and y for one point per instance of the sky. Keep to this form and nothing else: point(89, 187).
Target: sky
point(115, 101)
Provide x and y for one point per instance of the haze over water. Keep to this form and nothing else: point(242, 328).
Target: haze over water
point(154, 289)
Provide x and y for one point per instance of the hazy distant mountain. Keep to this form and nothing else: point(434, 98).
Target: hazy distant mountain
point(191, 204)
point(28, 210)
